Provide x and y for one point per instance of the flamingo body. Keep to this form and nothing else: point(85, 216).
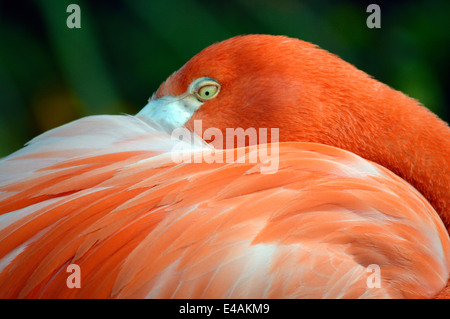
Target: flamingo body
point(139, 225)
point(356, 193)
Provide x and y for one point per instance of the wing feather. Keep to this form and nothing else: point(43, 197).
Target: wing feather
point(104, 193)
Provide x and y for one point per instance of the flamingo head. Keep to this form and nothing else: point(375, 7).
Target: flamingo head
point(264, 81)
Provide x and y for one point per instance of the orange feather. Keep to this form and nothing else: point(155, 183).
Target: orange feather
point(361, 181)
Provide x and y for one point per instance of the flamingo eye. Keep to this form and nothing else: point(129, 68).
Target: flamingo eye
point(206, 90)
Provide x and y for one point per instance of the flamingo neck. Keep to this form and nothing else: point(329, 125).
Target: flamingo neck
point(411, 141)
point(427, 162)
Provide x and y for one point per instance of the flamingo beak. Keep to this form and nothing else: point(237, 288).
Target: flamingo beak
point(170, 111)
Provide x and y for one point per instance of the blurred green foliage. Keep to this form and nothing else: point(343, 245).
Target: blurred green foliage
point(50, 74)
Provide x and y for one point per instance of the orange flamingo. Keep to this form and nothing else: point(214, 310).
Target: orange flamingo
point(362, 183)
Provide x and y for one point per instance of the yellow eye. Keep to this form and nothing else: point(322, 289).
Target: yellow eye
point(207, 90)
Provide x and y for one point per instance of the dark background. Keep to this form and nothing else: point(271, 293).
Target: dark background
point(50, 74)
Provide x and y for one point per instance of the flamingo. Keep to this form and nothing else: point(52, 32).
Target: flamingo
point(358, 205)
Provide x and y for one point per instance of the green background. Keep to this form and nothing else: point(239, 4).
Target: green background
point(50, 74)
